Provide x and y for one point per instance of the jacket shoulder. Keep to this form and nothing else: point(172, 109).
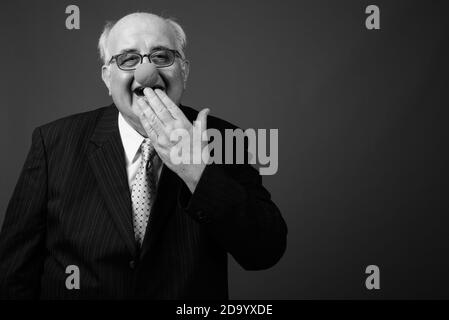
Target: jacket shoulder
point(73, 130)
point(79, 120)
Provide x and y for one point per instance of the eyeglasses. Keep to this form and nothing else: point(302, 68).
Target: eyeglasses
point(130, 60)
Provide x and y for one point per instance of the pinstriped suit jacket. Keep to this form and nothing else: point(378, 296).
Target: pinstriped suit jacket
point(71, 206)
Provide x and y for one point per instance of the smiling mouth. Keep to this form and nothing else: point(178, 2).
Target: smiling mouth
point(139, 90)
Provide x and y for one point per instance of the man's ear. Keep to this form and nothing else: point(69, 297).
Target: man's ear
point(106, 76)
point(185, 69)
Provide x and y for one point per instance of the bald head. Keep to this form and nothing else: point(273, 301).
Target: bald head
point(126, 26)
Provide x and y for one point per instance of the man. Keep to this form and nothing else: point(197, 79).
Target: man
point(100, 209)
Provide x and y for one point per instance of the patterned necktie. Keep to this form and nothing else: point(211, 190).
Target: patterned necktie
point(143, 190)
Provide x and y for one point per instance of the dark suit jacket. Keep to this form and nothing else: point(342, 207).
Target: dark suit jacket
point(72, 206)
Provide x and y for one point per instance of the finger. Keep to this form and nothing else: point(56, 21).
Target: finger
point(146, 126)
point(201, 119)
point(174, 110)
point(150, 119)
point(157, 105)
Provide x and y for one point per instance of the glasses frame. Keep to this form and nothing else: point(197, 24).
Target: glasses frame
point(114, 58)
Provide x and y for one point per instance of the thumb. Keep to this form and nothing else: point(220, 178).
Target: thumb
point(201, 119)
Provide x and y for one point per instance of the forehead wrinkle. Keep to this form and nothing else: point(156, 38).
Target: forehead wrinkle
point(138, 32)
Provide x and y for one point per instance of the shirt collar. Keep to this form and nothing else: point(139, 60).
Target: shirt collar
point(131, 139)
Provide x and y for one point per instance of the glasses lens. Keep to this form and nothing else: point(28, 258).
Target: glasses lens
point(128, 60)
point(162, 58)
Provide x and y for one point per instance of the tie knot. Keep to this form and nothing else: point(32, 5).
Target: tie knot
point(147, 149)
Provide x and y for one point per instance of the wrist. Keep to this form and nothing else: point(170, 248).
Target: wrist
point(193, 176)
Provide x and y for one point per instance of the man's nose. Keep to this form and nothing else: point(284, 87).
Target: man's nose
point(146, 74)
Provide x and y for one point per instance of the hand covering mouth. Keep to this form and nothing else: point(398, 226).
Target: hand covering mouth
point(138, 91)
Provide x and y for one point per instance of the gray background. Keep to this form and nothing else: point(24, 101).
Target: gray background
point(361, 116)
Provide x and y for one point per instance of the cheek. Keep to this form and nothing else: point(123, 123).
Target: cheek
point(179, 75)
point(121, 82)
point(175, 76)
point(175, 81)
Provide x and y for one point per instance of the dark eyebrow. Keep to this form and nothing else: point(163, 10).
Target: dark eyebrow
point(128, 51)
point(159, 48)
point(152, 49)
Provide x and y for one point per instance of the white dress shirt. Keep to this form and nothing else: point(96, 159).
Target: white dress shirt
point(131, 140)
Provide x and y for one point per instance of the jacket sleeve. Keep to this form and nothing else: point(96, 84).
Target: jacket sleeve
point(239, 213)
point(22, 239)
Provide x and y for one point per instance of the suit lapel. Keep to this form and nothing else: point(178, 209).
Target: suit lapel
point(106, 158)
